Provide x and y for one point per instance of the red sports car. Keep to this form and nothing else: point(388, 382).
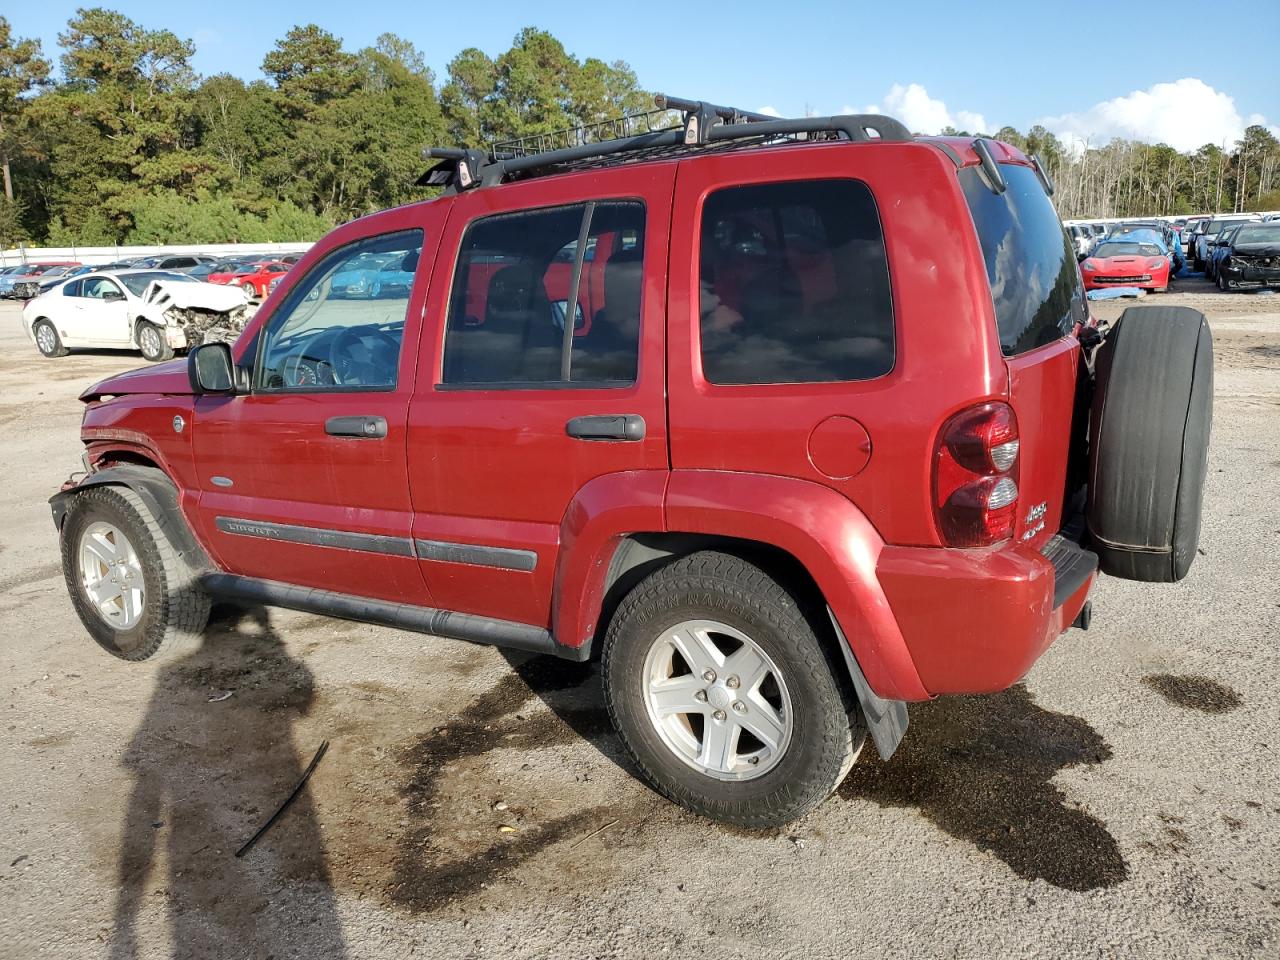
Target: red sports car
point(1126, 263)
point(253, 278)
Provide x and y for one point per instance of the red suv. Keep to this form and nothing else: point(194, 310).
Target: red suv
point(788, 422)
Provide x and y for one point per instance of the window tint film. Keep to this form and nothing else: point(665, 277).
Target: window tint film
point(343, 324)
point(794, 284)
point(510, 320)
point(1031, 266)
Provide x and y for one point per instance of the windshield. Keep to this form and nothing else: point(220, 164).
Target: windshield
point(137, 282)
point(1116, 249)
point(1259, 233)
point(1218, 226)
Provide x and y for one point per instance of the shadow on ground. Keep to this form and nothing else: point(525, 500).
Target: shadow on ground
point(981, 768)
point(439, 862)
point(206, 773)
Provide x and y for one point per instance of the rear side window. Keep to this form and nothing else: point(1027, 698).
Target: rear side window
point(510, 321)
point(794, 284)
point(1031, 267)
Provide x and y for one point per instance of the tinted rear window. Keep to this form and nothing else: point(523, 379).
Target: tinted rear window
point(1031, 267)
point(794, 284)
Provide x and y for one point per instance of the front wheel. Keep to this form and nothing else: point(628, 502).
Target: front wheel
point(137, 598)
point(724, 695)
point(152, 343)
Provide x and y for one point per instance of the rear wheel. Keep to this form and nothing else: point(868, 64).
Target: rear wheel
point(133, 593)
point(724, 694)
point(47, 340)
point(152, 343)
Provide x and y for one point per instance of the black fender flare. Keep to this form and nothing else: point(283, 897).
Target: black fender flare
point(157, 491)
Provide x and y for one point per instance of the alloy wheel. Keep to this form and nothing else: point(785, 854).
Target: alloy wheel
point(111, 575)
point(717, 700)
point(46, 340)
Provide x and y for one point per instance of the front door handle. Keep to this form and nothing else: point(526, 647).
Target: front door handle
point(623, 426)
point(366, 428)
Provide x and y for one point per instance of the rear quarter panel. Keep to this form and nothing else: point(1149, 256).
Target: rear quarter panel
point(947, 354)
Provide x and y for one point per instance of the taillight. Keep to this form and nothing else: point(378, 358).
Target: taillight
point(975, 476)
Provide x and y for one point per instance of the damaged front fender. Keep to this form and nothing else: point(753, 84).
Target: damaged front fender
point(203, 312)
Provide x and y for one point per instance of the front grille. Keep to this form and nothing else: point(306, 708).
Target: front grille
point(1146, 278)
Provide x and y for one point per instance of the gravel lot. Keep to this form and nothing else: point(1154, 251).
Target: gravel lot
point(1121, 802)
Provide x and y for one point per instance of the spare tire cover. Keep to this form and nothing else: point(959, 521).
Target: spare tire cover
point(1149, 443)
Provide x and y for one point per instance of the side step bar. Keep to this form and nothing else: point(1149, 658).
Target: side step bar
point(405, 616)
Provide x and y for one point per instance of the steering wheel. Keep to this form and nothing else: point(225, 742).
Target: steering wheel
point(357, 364)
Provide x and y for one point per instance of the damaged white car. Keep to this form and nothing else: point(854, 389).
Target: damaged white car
point(154, 311)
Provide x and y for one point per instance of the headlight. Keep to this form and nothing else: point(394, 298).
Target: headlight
point(1090, 266)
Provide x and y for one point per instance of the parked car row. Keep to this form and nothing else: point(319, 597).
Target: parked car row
point(24, 274)
point(28, 280)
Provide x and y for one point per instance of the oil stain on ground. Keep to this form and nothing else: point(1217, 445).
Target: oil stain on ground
point(442, 856)
point(1194, 693)
point(981, 768)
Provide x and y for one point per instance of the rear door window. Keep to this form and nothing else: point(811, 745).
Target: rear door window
point(1031, 268)
point(794, 284)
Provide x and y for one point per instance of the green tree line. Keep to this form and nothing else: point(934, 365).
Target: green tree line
point(129, 145)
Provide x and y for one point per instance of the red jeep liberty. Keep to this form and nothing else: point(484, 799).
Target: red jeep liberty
point(788, 422)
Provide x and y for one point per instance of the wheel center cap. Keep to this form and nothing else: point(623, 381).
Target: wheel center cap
point(719, 696)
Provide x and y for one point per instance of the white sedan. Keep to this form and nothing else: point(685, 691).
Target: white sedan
point(154, 311)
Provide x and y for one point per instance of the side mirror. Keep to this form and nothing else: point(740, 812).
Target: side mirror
point(113, 296)
point(210, 368)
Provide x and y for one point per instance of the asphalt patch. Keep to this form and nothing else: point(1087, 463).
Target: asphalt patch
point(981, 768)
point(1194, 693)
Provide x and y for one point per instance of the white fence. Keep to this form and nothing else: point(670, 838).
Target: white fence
point(92, 255)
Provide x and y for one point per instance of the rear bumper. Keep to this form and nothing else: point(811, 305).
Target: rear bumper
point(975, 621)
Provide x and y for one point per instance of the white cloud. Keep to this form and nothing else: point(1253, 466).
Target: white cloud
point(1185, 114)
point(922, 113)
point(769, 111)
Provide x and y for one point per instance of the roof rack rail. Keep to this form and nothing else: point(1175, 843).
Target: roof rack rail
point(653, 134)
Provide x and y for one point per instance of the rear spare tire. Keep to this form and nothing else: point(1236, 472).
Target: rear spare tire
point(1149, 443)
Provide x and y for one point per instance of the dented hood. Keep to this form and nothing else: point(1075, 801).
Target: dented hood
point(169, 377)
point(193, 296)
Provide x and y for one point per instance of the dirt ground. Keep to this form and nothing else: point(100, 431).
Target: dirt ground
point(1121, 802)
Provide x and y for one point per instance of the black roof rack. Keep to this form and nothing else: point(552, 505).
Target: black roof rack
point(654, 134)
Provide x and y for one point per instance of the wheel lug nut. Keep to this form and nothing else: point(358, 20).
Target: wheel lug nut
point(753, 760)
point(701, 696)
point(732, 683)
point(718, 715)
point(709, 676)
point(739, 707)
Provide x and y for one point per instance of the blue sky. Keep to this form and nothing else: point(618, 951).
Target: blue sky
point(1092, 73)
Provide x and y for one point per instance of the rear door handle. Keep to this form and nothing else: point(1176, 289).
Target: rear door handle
point(625, 426)
point(366, 428)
